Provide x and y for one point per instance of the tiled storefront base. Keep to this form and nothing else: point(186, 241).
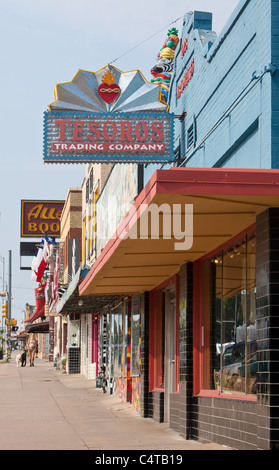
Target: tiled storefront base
point(156, 406)
point(176, 413)
point(233, 423)
point(237, 424)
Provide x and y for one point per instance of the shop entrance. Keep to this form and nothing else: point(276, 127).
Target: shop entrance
point(74, 344)
point(169, 350)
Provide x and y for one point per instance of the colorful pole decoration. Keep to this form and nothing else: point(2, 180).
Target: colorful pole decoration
point(162, 71)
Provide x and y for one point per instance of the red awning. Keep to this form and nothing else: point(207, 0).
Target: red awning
point(225, 203)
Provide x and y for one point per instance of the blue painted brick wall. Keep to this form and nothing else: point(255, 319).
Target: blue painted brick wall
point(275, 82)
point(223, 77)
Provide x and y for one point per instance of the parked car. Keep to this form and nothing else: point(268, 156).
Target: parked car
point(234, 359)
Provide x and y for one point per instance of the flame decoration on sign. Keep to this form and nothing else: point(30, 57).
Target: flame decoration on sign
point(109, 90)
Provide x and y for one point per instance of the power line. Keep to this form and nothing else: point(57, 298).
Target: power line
point(147, 39)
point(15, 287)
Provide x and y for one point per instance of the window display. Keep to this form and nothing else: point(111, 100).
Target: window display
point(116, 343)
point(230, 346)
point(135, 336)
point(74, 334)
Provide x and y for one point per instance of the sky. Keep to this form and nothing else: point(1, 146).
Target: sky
point(46, 42)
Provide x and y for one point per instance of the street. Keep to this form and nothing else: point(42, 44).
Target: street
point(45, 409)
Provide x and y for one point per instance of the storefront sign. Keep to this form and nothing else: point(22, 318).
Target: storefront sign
point(27, 250)
point(185, 80)
point(41, 217)
point(80, 137)
point(184, 47)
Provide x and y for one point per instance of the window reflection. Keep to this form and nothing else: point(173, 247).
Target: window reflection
point(234, 312)
point(116, 343)
point(135, 336)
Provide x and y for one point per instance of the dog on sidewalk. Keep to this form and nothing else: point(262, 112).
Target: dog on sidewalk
point(21, 359)
point(18, 360)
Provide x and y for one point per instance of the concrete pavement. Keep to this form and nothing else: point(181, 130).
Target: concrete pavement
point(45, 409)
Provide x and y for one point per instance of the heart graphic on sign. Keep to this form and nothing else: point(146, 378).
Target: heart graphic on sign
point(108, 90)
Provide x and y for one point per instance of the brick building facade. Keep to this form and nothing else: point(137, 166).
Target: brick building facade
point(208, 316)
point(188, 336)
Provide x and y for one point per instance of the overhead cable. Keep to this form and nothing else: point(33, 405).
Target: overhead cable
point(145, 40)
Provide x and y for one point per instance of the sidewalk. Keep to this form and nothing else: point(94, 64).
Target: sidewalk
point(44, 409)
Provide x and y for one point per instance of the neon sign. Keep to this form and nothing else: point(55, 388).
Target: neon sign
point(108, 137)
point(185, 80)
point(184, 47)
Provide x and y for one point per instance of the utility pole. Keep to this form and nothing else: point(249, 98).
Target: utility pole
point(3, 301)
point(9, 343)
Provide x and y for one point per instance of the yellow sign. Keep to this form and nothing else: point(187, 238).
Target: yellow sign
point(12, 323)
point(41, 217)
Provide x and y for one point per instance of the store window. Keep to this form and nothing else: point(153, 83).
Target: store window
point(229, 343)
point(104, 329)
point(94, 223)
point(84, 240)
point(116, 345)
point(87, 191)
point(135, 336)
point(74, 334)
point(126, 337)
point(157, 340)
point(65, 337)
point(91, 181)
point(90, 210)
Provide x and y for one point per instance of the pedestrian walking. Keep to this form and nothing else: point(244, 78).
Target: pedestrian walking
point(32, 346)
